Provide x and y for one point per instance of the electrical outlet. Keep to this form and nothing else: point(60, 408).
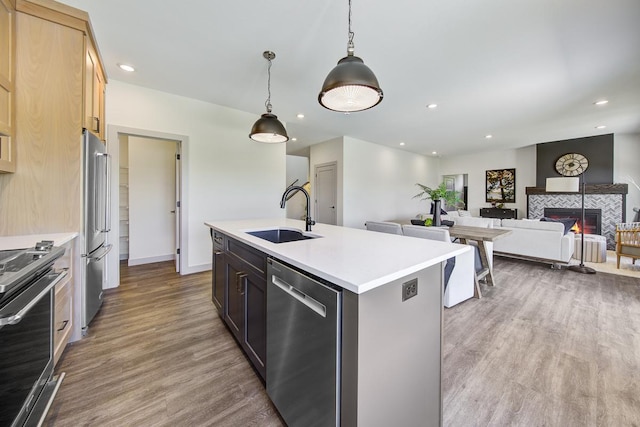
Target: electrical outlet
point(409, 289)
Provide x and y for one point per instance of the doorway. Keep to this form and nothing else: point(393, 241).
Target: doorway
point(326, 191)
point(151, 191)
point(148, 200)
point(459, 184)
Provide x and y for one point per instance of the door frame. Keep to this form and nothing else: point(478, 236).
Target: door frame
point(113, 148)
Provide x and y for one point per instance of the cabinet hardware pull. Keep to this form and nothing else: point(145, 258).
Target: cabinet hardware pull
point(217, 252)
point(64, 325)
point(241, 275)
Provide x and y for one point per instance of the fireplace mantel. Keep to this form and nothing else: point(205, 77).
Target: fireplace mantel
point(590, 189)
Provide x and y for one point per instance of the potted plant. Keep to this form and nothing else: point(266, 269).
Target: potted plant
point(437, 194)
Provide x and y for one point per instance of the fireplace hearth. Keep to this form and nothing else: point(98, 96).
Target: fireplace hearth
point(592, 218)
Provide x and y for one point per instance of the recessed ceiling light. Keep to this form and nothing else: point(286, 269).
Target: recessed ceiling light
point(434, 152)
point(126, 67)
point(300, 116)
point(432, 106)
point(488, 136)
point(601, 127)
point(601, 102)
point(402, 143)
point(294, 139)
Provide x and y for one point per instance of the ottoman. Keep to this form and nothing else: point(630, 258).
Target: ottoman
point(595, 248)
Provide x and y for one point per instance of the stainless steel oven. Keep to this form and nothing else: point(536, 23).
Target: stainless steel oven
point(27, 386)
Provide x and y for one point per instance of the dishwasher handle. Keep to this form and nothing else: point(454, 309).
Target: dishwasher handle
point(305, 299)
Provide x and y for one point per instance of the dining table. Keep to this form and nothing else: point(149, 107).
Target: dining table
point(480, 235)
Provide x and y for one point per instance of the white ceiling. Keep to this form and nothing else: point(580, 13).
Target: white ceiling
point(524, 71)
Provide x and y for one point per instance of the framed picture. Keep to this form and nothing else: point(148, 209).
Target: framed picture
point(450, 183)
point(501, 186)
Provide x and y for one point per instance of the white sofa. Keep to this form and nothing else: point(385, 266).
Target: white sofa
point(539, 240)
point(531, 239)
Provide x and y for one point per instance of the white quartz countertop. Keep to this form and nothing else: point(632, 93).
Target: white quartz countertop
point(29, 240)
point(357, 260)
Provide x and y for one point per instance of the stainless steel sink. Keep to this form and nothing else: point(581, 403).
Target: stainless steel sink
point(282, 235)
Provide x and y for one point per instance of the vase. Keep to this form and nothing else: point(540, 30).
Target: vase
point(436, 213)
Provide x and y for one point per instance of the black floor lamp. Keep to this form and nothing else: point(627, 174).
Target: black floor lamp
point(572, 185)
point(581, 268)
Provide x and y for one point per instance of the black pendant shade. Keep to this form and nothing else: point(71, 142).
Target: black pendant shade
point(269, 129)
point(351, 86)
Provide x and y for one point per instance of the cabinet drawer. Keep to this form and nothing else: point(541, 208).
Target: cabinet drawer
point(251, 256)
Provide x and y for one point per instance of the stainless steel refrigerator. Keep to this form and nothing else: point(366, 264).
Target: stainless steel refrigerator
point(96, 224)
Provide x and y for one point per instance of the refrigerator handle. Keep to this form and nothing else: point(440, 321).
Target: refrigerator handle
point(104, 209)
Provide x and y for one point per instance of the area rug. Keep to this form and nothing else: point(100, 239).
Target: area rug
point(626, 267)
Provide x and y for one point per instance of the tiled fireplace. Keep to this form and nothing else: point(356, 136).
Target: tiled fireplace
point(610, 199)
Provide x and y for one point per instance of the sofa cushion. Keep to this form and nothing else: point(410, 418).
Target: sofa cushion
point(567, 222)
point(533, 225)
point(474, 221)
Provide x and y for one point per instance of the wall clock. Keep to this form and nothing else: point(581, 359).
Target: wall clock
point(572, 164)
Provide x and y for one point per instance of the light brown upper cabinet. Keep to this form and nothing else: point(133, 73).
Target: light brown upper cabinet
point(7, 72)
point(44, 194)
point(94, 93)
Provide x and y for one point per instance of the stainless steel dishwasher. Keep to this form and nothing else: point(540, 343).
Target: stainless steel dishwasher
point(303, 347)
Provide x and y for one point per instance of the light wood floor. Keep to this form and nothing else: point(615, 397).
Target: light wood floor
point(543, 348)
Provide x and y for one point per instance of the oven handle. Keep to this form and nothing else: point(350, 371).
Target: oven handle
point(15, 318)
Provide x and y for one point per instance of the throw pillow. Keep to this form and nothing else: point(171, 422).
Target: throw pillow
point(442, 211)
point(567, 222)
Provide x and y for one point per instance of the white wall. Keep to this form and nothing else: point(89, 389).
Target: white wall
point(297, 168)
point(476, 165)
point(379, 182)
point(228, 175)
point(152, 197)
point(626, 168)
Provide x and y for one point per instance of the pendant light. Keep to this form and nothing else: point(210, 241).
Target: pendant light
point(268, 128)
point(351, 85)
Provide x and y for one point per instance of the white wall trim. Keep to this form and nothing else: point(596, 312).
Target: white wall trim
point(198, 268)
point(113, 148)
point(151, 260)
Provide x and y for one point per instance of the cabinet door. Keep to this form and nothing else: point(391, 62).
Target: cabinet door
point(219, 281)
point(62, 318)
point(94, 93)
point(234, 315)
point(7, 49)
point(256, 320)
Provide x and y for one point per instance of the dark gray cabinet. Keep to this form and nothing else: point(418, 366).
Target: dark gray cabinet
point(499, 213)
point(239, 292)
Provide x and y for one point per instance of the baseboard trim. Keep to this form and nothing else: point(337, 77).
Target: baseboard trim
point(196, 269)
point(150, 260)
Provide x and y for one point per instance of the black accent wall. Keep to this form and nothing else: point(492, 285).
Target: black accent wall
point(597, 149)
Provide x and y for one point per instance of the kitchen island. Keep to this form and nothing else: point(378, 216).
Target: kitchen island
point(389, 361)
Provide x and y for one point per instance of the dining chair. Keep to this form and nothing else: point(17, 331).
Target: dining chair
point(627, 241)
point(458, 271)
point(384, 227)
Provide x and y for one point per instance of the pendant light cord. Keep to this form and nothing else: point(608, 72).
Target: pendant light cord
point(268, 101)
point(350, 47)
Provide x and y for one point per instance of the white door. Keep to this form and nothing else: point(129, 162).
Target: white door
point(152, 200)
point(326, 191)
